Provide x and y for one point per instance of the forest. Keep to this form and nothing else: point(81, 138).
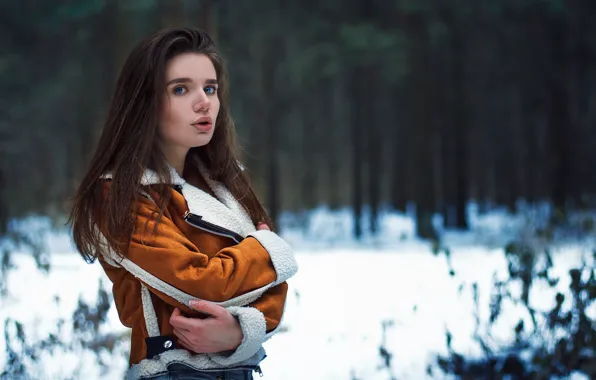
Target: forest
point(366, 105)
point(343, 103)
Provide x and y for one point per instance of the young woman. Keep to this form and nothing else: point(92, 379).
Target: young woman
point(170, 214)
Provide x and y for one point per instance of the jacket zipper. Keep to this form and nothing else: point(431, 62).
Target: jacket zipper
point(198, 222)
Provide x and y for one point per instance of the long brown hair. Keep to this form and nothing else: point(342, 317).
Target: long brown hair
point(128, 145)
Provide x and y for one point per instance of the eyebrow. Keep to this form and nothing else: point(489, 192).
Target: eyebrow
point(188, 80)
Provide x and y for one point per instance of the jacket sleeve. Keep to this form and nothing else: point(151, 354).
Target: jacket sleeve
point(169, 263)
point(259, 322)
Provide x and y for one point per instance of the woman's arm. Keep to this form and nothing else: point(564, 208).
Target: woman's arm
point(176, 271)
point(227, 338)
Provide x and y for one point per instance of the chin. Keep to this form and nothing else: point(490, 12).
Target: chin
point(202, 141)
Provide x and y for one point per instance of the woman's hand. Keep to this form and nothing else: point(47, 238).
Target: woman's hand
point(217, 333)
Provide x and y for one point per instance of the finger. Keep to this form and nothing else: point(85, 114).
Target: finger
point(183, 340)
point(263, 226)
point(176, 313)
point(208, 308)
point(182, 330)
point(181, 322)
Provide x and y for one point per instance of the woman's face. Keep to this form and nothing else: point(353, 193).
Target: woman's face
point(190, 104)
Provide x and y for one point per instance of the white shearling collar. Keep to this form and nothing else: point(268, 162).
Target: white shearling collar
point(222, 210)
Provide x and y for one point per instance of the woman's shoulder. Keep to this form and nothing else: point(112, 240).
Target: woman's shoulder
point(144, 192)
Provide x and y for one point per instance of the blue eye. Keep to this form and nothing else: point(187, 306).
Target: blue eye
point(179, 90)
point(210, 90)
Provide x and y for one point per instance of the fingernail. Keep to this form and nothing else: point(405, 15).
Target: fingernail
point(193, 303)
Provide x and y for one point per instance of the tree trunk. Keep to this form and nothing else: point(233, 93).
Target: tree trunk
point(3, 203)
point(309, 165)
point(559, 115)
point(334, 151)
point(519, 145)
point(460, 123)
point(399, 144)
point(421, 109)
point(374, 136)
point(269, 113)
point(356, 89)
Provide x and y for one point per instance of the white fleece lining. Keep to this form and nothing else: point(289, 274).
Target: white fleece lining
point(280, 252)
point(149, 313)
point(214, 211)
point(150, 177)
point(253, 325)
point(107, 252)
point(224, 195)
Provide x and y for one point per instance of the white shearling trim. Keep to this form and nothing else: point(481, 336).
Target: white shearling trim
point(111, 262)
point(224, 196)
point(254, 326)
point(150, 177)
point(149, 312)
point(246, 298)
point(280, 252)
point(212, 210)
point(155, 366)
point(109, 256)
point(106, 251)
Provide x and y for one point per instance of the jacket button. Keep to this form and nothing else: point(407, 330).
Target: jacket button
point(167, 344)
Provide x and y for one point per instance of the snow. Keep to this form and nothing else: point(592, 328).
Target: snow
point(338, 303)
point(39, 301)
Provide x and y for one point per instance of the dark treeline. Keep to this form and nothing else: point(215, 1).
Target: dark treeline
point(344, 103)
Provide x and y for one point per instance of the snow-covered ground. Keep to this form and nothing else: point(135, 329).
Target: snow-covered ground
point(338, 304)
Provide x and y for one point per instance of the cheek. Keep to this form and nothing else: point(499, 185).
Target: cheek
point(172, 112)
point(164, 121)
point(215, 106)
point(168, 122)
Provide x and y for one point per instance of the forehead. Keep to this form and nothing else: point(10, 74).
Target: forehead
point(190, 65)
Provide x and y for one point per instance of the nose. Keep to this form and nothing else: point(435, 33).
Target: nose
point(201, 102)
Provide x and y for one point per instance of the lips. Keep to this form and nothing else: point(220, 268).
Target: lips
point(203, 124)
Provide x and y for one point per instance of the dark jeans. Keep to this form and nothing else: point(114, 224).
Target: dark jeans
point(183, 372)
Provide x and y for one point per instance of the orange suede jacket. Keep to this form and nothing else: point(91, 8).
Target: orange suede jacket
point(206, 247)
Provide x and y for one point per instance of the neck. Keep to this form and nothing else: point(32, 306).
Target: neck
point(176, 158)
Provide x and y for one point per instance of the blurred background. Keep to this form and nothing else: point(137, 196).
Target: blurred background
point(431, 161)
